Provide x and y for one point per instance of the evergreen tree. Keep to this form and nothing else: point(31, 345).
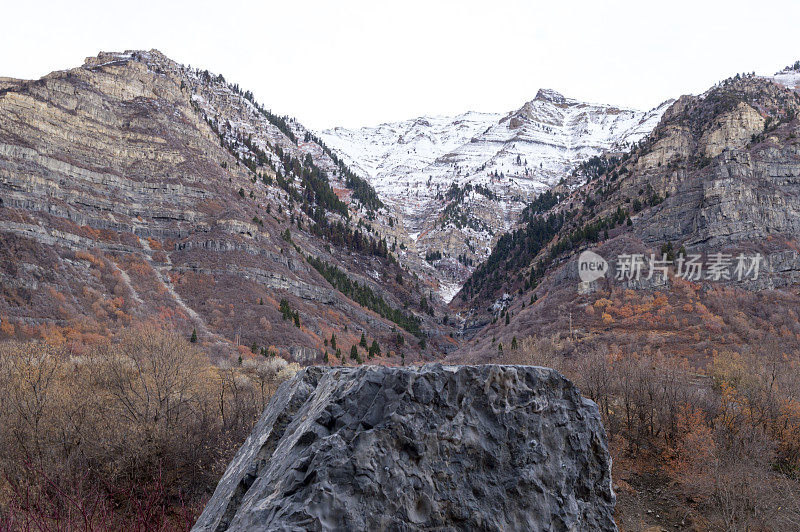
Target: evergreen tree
point(363, 342)
point(514, 343)
point(423, 303)
point(286, 310)
point(354, 352)
point(668, 252)
point(363, 295)
point(333, 340)
point(374, 349)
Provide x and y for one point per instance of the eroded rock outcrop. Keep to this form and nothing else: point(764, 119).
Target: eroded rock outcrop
point(438, 447)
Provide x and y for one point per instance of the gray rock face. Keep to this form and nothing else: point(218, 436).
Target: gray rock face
point(123, 157)
point(438, 447)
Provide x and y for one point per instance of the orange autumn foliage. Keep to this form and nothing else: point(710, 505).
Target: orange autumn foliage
point(6, 327)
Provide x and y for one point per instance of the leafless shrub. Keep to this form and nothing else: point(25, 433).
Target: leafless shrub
point(140, 426)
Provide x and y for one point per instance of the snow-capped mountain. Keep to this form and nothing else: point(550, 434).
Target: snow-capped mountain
point(405, 147)
point(460, 182)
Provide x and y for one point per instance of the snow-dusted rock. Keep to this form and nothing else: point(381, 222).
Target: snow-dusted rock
point(514, 157)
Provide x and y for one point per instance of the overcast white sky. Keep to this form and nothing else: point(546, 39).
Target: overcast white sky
point(357, 63)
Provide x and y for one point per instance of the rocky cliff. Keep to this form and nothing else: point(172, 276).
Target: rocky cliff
point(436, 447)
point(719, 174)
point(136, 188)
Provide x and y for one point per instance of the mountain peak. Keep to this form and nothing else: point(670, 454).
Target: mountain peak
point(150, 57)
point(549, 95)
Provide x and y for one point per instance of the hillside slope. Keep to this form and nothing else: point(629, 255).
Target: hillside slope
point(135, 188)
point(720, 174)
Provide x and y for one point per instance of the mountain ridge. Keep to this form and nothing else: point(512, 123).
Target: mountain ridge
point(718, 172)
point(415, 164)
point(134, 188)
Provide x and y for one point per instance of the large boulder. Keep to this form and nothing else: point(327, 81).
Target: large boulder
point(438, 447)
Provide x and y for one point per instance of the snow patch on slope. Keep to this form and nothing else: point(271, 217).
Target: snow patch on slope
point(402, 147)
point(788, 77)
